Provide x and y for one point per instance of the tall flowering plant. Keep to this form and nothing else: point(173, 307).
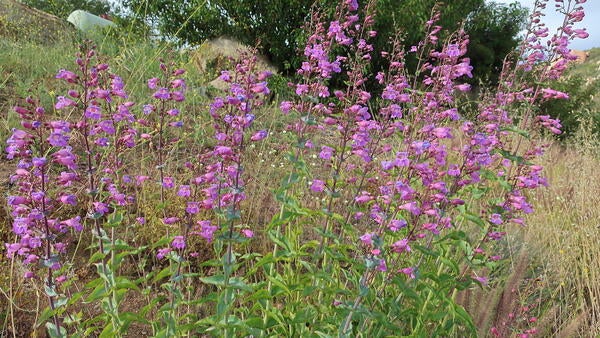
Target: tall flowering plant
point(406, 204)
point(408, 166)
point(44, 196)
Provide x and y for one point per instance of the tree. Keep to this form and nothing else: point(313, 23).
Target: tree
point(276, 24)
point(493, 29)
point(62, 8)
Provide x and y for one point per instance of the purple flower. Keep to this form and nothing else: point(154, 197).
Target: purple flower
point(101, 208)
point(453, 50)
point(225, 76)
point(317, 186)
point(177, 96)
point(260, 88)
point(411, 207)
point(453, 170)
point(102, 142)
point(397, 224)
point(326, 152)
point(248, 233)
point(107, 126)
point(68, 199)
point(16, 200)
point(192, 207)
point(410, 272)
point(163, 252)
point(184, 191)
point(39, 161)
point(116, 83)
point(496, 219)
point(65, 157)
point(259, 135)
point(66, 75)
point(401, 246)
point(301, 89)
point(74, 223)
point(93, 112)
point(223, 151)
point(168, 182)
point(285, 106)
point(178, 243)
point(363, 198)
point(161, 94)
point(20, 225)
point(63, 102)
point(66, 179)
point(483, 280)
point(352, 5)
point(140, 179)
point(58, 140)
point(207, 230)
point(148, 108)
point(178, 83)
point(153, 83)
point(496, 235)
point(367, 238)
point(170, 220)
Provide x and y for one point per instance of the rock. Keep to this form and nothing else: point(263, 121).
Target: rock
point(581, 55)
point(215, 55)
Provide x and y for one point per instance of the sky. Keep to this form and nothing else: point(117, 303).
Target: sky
point(554, 20)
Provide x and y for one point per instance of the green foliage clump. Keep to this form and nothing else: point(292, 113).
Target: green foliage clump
point(493, 30)
point(276, 25)
point(580, 106)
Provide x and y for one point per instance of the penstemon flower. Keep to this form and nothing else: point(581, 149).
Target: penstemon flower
point(39, 224)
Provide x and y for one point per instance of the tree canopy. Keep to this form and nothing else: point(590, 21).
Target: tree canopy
point(276, 24)
point(62, 8)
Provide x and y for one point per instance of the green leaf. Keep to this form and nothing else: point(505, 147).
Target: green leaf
point(97, 293)
point(426, 250)
point(281, 241)
point(55, 332)
point(280, 285)
point(115, 219)
point(232, 214)
point(162, 274)
point(124, 283)
point(61, 301)
point(234, 282)
point(46, 314)
point(449, 263)
point(98, 256)
point(475, 219)
point(518, 131)
point(161, 242)
point(50, 261)
point(108, 331)
point(50, 291)
point(512, 157)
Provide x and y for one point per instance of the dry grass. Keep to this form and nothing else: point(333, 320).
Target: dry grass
point(565, 233)
point(554, 262)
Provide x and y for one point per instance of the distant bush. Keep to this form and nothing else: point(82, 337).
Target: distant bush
point(580, 106)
